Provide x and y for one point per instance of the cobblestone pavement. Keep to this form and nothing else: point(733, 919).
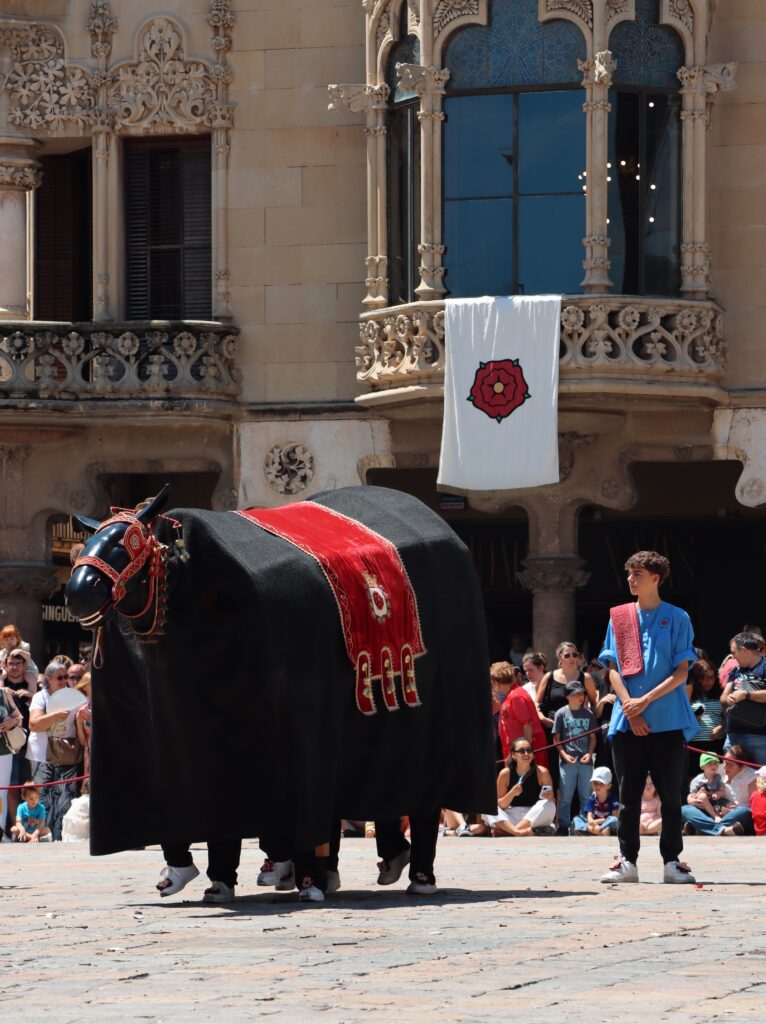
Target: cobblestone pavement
point(521, 929)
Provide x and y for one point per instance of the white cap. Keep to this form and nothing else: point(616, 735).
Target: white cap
point(601, 775)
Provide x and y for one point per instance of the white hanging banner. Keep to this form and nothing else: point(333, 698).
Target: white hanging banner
point(501, 393)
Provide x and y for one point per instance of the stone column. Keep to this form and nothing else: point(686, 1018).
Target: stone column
point(373, 101)
point(19, 174)
point(698, 87)
point(597, 80)
point(553, 581)
point(23, 587)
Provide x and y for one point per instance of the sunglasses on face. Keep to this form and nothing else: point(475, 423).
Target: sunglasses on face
point(74, 675)
point(569, 654)
point(58, 678)
point(523, 750)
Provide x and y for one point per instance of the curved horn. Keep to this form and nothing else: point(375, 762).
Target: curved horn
point(155, 506)
point(89, 525)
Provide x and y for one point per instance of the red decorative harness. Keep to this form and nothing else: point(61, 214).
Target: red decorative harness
point(627, 638)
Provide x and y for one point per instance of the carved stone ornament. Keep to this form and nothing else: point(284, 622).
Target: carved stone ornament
point(560, 574)
point(615, 7)
point(446, 11)
point(160, 91)
point(24, 177)
point(582, 9)
point(683, 11)
point(36, 581)
point(569, 445)
point(289, 467)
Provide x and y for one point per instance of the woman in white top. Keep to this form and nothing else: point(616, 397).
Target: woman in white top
point(44, 725)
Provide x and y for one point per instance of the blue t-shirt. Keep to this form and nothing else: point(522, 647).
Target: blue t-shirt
point(31, 818)
point(667, 639)
point(602, 810)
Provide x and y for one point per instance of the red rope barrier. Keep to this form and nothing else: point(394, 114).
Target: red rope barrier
point(45, 785)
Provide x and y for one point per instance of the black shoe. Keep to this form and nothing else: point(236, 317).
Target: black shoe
point(562, 830)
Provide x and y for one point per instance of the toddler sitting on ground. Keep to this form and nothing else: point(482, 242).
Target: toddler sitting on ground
point(30, 824)
point(599, 816)
point(651, 818)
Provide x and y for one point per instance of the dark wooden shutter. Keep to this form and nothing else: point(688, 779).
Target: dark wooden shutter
point(168, 230)
point(63, 229)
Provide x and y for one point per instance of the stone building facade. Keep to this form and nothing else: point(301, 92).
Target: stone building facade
point(230, 227)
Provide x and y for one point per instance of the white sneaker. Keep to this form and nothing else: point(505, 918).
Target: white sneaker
point(420, 886)
point(173, 880)
point(621, 871)
point(678, 873)
point(285, 873)
point(311, 895)
point(391, 871)
point(219, 892)
point(333, 882)
point(267, 875)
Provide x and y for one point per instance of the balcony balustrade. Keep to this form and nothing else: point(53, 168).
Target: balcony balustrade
point(137, 361)
point(610, 341)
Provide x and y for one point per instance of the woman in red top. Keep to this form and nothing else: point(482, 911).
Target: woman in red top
point(518, 713)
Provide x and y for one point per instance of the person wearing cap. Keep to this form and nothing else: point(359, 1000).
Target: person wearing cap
point(575, 749)
point(711, 808)
point(651, 645)
point(599, 815)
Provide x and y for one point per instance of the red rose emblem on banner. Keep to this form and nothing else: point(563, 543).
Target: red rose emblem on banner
point(499, 388)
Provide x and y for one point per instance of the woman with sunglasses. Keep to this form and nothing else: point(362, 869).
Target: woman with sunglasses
point(525, 803)
point(44, 725)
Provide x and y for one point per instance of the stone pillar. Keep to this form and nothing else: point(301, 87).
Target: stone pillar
point(23, 587)
point(19, 174)
point(553, 581)
point(597, 80)
point(373, 101)
point(698, 87)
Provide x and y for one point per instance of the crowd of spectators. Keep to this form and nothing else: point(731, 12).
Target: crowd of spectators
point(554, 757)
point(42, 740)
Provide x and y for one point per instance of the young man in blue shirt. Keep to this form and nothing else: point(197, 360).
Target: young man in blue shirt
point(650, 643)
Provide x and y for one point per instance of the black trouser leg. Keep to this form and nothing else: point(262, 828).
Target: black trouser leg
point(424, 829)
point(177, 855)
point(389, 839)
point(310, 870)
point(223, 861)
point(667, 764)
point(631, 763)
point(331, 862)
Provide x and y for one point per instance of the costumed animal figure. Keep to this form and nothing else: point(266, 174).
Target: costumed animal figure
point(330, 656)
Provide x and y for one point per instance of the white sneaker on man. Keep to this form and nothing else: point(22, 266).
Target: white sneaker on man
point(285, 872)
point(311, 894)
point(333, 882)
point(678, 873)
point(621, 871)
point(420, 886)
point(267, 875)
point(173, 880)
point(218, 892)
point(391, 871)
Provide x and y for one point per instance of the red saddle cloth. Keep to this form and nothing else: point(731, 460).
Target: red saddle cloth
point(377, 604)
point(627, 638)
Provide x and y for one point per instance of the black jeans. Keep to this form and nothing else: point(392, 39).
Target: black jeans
point(663, 756)
point(222, 859)
point(424, 830)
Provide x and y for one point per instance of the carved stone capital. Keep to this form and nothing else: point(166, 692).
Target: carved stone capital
point(422, 80)
point(22, 177)
point(35, 580)
point(599, 70)
point(708, 80)
point(563, 574)
point(358, 98)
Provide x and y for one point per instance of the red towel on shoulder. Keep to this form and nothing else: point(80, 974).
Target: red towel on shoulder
point(627, 638)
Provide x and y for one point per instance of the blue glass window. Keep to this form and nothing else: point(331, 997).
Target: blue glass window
point(403, 177)
point(514, 205)
point(514, 49)
point(645, 189)
point(647, 53)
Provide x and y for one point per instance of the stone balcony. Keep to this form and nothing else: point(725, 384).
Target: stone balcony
point(159, 359)
point(610, 345)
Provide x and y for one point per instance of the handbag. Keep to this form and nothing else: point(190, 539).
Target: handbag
point(63, 752)
point(749, 714)
point(15, 738)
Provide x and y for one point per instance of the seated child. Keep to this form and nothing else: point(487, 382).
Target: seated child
point(599, 816)
point(708, 791)
point(651, 818)
point(758, 802)
point(30, 824)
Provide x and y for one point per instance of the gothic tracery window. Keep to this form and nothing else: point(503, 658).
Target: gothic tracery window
point(645, 186)
point(514, 155)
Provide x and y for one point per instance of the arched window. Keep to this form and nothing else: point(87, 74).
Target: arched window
point(514, 155)
point(645, 156)
point(403, 177)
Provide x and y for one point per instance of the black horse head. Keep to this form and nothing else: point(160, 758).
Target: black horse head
point(99, 581)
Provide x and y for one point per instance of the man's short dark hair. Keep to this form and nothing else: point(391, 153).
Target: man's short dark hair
point(747, 641)
point(652, 561)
